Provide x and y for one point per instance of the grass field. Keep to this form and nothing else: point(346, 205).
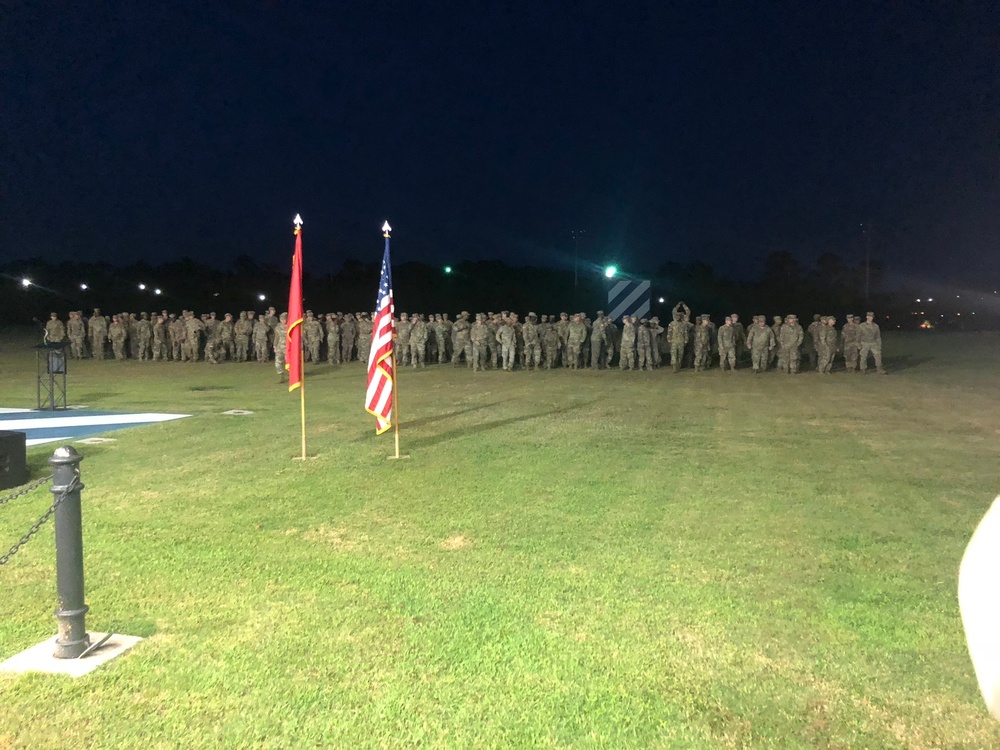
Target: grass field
point(569, 559)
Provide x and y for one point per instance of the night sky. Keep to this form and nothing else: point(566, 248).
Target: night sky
point(669, 131)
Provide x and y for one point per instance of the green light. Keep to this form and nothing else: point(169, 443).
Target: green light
point(611, 271)
point(447, 269)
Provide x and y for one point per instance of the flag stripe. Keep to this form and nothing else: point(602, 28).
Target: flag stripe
point(378, 395)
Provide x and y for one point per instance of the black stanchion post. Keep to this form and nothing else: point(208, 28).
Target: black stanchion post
point(73, 639)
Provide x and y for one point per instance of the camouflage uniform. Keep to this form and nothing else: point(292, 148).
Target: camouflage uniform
point(348, 338)
point(871, 343)
point(643, 346)
point(365, 332)
point(532, 343)
point(280, 342)
point(550, 344)
point(77, 333)
point(332, 338)
point(812, 343)
point(160, 339)
point(702, 344)
point(193, 329)
point(312, 338)
point(850, 336)
point(506, 336)
point(418, 341)
point(461, 340)
point(242, 331)
point(727, 345)
point(776, 328)
point(789, 341)
point(826, 344)
point(627, 358)
point(118, 334)
point(403, 328)
point(760, 342)
point(98, 334)
point(677, 338)
point(55, 330)
point(178, 332)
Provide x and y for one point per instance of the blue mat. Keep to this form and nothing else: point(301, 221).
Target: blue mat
point(66, 426)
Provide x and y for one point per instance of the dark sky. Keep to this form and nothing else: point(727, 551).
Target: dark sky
point(669, 131)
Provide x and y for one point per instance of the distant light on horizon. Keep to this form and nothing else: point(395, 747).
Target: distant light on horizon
point(262, 296)
point(661, 300)
point(157, 291)
point(84, 286)
point(447, 269)
point(25, 283)
point(142, 287)
point(611, 271)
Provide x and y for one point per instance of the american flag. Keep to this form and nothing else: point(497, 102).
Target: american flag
point(378, 399)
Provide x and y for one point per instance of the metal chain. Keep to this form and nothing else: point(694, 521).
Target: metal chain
point(25, 490)
point(71, 487)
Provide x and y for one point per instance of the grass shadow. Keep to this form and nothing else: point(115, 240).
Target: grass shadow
point(477, 429)
point(904, 362)
point(438, 417)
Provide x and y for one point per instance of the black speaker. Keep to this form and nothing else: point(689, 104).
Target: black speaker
point(13, 460)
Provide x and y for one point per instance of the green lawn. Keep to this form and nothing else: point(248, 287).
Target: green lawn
point(569, 559)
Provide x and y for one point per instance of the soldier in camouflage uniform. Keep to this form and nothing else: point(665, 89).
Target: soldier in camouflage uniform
point(77, 333)
point(348, 338)
point(776, 328)
point(55, 329)
point(741, 336)
point(870, 339)
point(160, 348)
point(506, 336)
point(118, 334)
point(280, 340)
point(576, 333)
point(332, 338)
point(626, 360)
point(403, 328)
point(812, 343)
point(850, 336)
point(242, 330)
point(442, 336)
point(532, 343)
point(702, 343)
point(789, 341)
point(98, 334)
point(315, 333)
point(418, 341)
point(193, 329)
point(365, 332)
point(178, 332)
point(479, 335)
point(213, 341)
point(599, 342)
point(677, 339)
point(227, 337)
point(643, 346)
point(462, 344)
point(827, 343)
point(727, 345)
point(760, 342)
point(656, 341)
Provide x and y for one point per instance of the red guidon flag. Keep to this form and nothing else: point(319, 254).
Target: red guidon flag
point(378, 398)
point(293, 340)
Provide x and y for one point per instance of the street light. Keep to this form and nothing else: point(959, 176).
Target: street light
point(262, 296)
point(142, 287)
point(25, 283)
point(447, 270)
point(157, 292)
point(84, 286)
point(610, 271)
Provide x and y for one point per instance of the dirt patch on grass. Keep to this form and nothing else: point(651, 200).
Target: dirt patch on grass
point(456, 542)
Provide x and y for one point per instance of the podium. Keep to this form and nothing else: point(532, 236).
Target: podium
point(50, 367)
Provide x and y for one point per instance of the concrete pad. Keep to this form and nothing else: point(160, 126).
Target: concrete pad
point(39, 658)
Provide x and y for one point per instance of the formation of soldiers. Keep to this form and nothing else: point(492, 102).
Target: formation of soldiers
point(487, 341)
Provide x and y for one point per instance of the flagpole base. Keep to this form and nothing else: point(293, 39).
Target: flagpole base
point(304, 458)
point(393, 458)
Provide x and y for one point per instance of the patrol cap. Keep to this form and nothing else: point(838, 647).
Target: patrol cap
point(705, 317)
point(600, 312)
point(532, 315)
point(777, 317)
point(870, 314)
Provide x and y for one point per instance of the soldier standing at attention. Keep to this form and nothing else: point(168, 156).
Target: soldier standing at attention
point(227, 337)
point(627, 359)
point(702, 343)
point(599, 342)
point(643, 346)
point(506, 336)
point(576, 332)
point(418, 341)
point(365, 332)
point(776, 328)
point(741, 335)
point(177, 335)
point(850, 336)
point(677, 339)
point(760, 341)
point(462, 342)
point(241, 337)
point(55, 330)
point(550, 344)
point(871, 343)
point(159, 339)
point(312, 337)
point(727, 345)
point(144, 332)
point(562, 327)
point(789, 341)
point(826, 343)
point(77, 333)
point(280, 334)
point(98, 334)
point(403, 328)
point(117, 333)
point(656, 341)
point(332, 338)
point(532, 343)
point(193, 329)
point(812, 343)
point(348, 337)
